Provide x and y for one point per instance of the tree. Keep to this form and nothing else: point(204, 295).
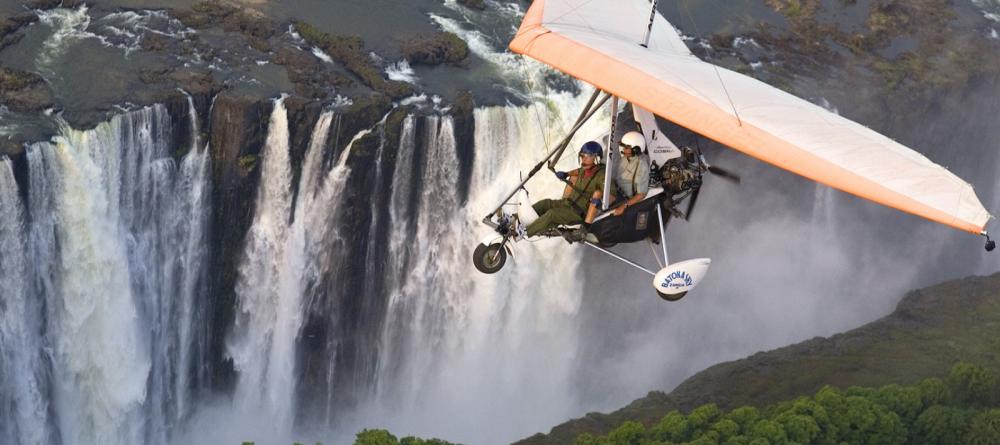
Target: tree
point(984, 428)
point(770, 431)
point(673, 427)
point(745, 417)
point(972, 383)
point(375, 437)
point(804, 406)
point(941, 425)
point(934, 391)
point(799, 428)
point(589, 439)
point(906, 402)
point(629, 433)
point(702, 417)
point(726, 428)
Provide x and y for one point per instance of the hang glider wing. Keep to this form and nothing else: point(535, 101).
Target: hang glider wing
point(597, 41)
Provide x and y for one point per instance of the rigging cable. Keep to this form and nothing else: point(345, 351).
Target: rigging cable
point(714, 66)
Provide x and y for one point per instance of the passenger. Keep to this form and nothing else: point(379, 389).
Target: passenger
point(581, 197)
point(632, 174)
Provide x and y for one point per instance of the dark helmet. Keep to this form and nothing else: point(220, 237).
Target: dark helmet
point(592, 148)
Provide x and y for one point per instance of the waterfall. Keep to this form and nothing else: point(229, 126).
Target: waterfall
point(115, 248)
point(462, 352)
point(283, 259)
point(23, 407)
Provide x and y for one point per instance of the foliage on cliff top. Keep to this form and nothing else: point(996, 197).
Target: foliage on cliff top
point(955, 411)
point(928, 332)
point(350, 52)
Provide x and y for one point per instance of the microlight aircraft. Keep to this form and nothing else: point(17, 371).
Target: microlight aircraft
point(630, 53)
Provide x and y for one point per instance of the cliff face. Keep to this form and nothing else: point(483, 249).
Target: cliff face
point(930, 330)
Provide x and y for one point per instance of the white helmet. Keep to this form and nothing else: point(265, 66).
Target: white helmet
point(635, 140)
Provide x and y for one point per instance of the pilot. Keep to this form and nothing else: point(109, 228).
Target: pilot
point(581, 197)
point(632, 173)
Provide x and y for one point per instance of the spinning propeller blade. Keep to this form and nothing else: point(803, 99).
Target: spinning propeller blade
point(724, 173)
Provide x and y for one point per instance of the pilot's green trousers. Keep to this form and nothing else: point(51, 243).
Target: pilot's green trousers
point(552, 213)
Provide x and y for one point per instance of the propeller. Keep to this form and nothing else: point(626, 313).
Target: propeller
point(726, 174)
point(718, 170)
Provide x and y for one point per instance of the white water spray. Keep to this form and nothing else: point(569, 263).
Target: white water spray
point(23, 407)
point(282, 256)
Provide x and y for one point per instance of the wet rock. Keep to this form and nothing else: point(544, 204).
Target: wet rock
point(462, 110)
point(350, 52)
point(22, 91)
point(42, 4)
point(10, 147)
point(474, 4)
point(231, 17)
point(153, 76)
point(302, 116)
point(238, 131)
point(10, 25)
point(196, 81)
point(155, 42)
point(436, 49)
point(311, 77)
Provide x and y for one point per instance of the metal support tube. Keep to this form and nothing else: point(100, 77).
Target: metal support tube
point(663, 235)
point(562, 146)
point(609, 168)
point(621, 258)
point(649, 29)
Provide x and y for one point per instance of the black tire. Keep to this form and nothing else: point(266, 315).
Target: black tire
point(673, 297)
point(489, 259)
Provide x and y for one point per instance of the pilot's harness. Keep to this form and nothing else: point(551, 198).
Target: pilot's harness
point(578, 192)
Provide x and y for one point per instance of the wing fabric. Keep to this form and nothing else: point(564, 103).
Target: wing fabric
point(597, 41)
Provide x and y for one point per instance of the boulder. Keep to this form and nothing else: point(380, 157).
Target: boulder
point(350, 52)
point(22, 91)
point(436, 49)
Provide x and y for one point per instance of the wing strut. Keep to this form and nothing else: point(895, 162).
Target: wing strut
point(553, 157)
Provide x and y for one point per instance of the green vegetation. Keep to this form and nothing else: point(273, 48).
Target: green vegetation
point(247, 163)
point(930, 330)
point(383, 437)
point(955, 411)
point(350, 52)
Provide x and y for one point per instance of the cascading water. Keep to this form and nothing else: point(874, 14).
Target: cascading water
point(23, 407)
point(282, 259)
point(115, 247)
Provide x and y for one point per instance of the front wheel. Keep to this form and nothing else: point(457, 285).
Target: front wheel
point(489, 259)
point(669, 297)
